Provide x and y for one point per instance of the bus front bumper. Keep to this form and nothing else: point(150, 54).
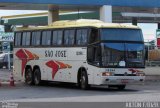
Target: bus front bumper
point(121, 80)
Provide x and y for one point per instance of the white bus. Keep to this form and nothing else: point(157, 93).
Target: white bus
point(86, 52)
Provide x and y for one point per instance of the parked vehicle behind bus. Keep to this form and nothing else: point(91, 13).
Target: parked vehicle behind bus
point(86, 52)
point(4, 60)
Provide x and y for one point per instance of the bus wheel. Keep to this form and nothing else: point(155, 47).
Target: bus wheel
point(1, 66)
point(84, 81)
point(37, 76)
point(29, 76)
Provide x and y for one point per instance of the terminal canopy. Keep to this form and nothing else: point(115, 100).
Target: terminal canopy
point(145, 11)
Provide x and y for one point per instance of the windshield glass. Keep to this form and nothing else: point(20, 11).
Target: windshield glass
point(121, 34)
point(122, 54)
point(134, 55)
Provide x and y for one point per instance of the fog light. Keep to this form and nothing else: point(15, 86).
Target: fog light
point(140, 74)
point(107, 79)
point(141, 80)
point(106, 74)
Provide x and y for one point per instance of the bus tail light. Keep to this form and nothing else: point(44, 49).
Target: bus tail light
point(140, 74)
point(106, 73)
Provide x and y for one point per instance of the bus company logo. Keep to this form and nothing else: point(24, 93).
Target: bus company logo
point(25, 56)
point(56, 65)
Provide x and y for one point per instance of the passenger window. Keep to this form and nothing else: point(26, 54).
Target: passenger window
point(81, 37)
point(26, 38)
point(17, 39)
point(57, 37)
point(23, 38)
point(69, 37)
point(36, 36)
point(46, 37)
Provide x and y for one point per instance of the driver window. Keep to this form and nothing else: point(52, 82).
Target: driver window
point(93, 36)
point(94, 55)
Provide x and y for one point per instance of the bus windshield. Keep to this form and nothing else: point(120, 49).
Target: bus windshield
point(121, 34)
point(122, 55)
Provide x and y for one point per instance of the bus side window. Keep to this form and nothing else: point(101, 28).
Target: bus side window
point(90, 52)
point(66, 37)
point(26, 38)
point(17, 39)
point(69, 37)
point(81, 37)
point(93, 36)
point(57, 37)
point(94, 55)
point(46, 37)
point(36, 36)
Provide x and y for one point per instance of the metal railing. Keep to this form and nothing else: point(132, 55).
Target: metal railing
point(152, 55)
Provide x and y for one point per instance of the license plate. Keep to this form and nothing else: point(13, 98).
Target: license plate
point(124, 80)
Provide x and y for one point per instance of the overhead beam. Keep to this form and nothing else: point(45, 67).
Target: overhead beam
point(136, 3)
point(158, 25)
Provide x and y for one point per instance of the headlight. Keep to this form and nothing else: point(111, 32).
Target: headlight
point(107, 73)
point(140, 74)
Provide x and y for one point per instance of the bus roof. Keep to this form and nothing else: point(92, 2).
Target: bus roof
point(79, 23)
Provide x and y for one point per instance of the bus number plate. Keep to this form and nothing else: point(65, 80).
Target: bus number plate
point(124, 81)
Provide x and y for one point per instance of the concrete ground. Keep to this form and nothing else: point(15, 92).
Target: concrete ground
point(64, 92)
point(54, 92)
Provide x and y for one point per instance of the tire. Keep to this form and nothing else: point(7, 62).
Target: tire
point(84, 81)
point(119, 87)
point(29, 77)
point(37, 76)
point(1, 66)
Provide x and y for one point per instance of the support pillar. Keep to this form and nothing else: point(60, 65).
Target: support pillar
point(106, 13)
point(158, 25)
point(157, 42)
point(53, 15)
point(134, 21)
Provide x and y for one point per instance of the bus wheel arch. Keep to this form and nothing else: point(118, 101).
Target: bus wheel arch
point(29, 76)
point(82, 78)
point(37, 75)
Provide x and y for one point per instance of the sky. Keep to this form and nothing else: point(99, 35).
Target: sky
point(149, 30)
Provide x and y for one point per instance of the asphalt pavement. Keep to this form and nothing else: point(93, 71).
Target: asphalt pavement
point(65, 92)
point(5, 75)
